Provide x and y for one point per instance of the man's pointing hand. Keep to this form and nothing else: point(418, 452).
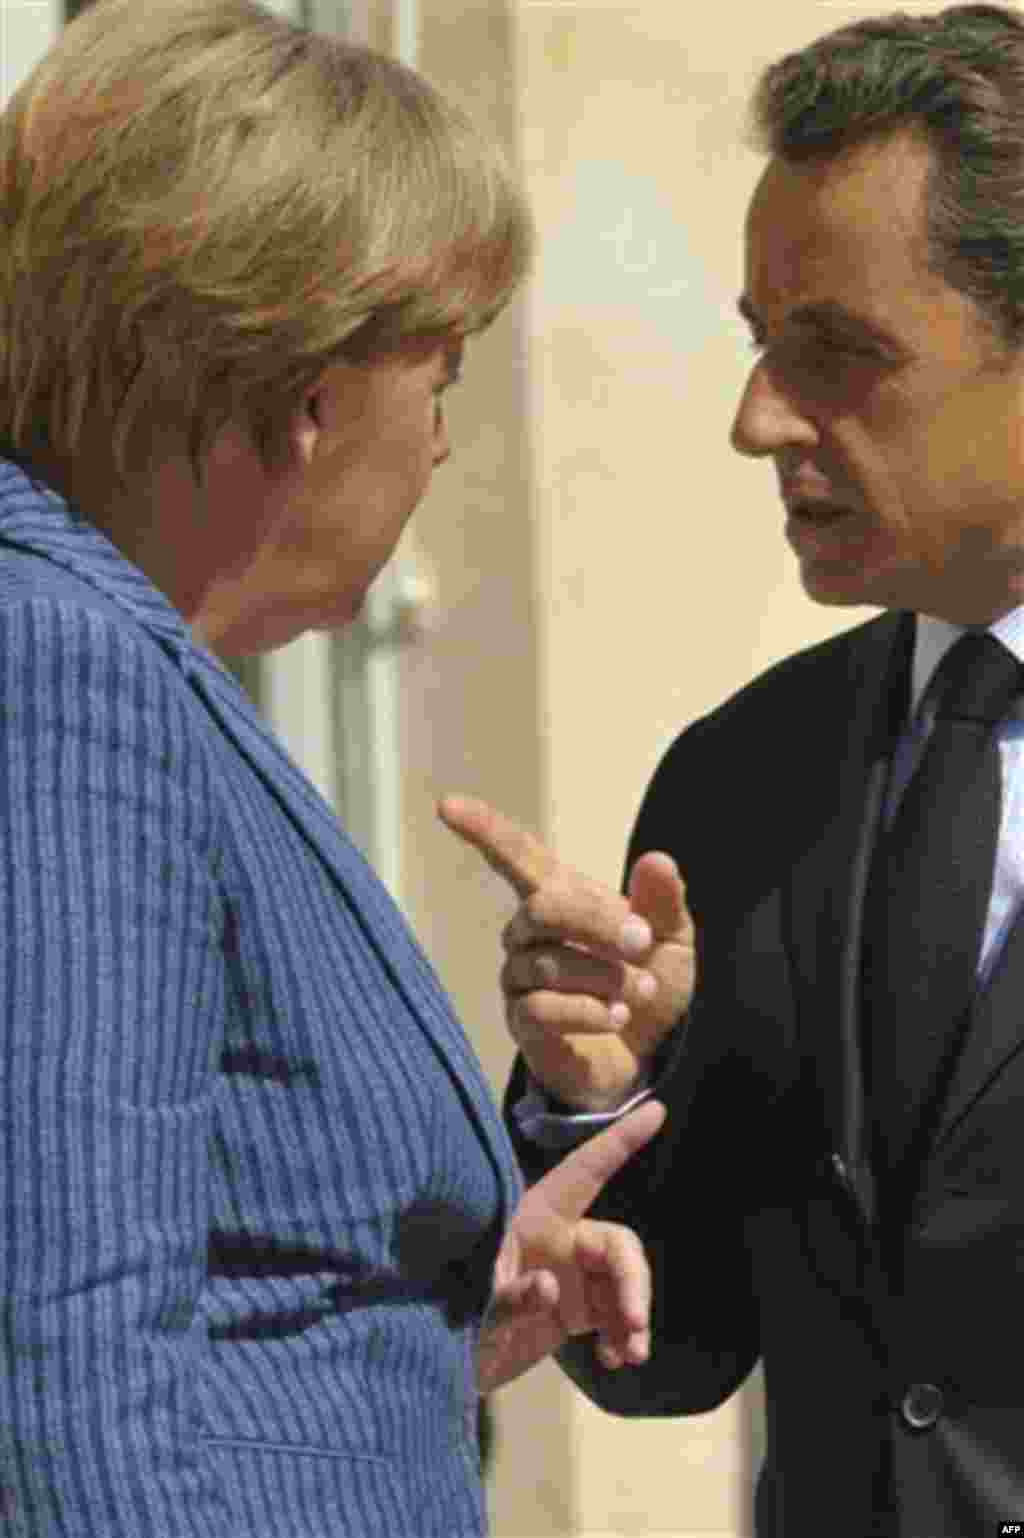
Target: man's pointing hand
point(593, 980)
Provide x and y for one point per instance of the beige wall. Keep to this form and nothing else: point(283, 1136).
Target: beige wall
point(607, 569)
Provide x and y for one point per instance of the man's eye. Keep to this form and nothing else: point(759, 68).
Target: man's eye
point(844, 346)
point(820, 344)
point(825, 355)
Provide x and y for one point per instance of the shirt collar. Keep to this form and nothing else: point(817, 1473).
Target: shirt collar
point(934, 637)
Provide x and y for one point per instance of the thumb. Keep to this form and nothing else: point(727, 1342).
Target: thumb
point(656, 893)
point(573, 1186)
point(534, 1292)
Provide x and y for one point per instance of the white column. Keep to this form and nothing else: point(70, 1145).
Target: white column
point(348, 18)
point(27, 28)
point(295, 682)
point(291, 10)
point(339, 718)
point(295, 693)
point(391, 604)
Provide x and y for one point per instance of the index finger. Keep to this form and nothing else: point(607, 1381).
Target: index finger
point(517, 856)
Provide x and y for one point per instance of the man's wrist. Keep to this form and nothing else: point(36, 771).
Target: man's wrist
point(649, 1072)
point(546, 1122)
point(558, 1107)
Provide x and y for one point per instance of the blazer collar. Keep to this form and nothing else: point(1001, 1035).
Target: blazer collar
point(36, 518)
point(32, 517)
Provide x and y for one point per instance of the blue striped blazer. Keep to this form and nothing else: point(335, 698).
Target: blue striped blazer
point(252, 1182)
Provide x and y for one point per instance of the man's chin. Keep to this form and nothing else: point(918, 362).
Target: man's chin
point(838, 592)
point(864, 583)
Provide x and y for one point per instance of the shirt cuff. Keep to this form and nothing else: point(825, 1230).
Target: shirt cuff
point(556, 1130)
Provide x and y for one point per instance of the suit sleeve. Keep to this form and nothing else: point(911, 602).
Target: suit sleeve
point(111, 1000)
point(688, 1193)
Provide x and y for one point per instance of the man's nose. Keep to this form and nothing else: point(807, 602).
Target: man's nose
point(767, 418)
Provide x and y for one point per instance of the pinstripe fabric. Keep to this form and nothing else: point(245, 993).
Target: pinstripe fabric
point(252, 1179)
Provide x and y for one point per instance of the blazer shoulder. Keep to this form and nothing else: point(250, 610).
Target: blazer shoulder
point(80, 611)
point(87, 665)
point(27, 574)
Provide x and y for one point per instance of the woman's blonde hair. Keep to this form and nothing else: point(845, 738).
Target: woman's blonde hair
point(202, 205)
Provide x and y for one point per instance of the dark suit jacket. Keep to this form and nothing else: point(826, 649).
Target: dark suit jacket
point(757, 1201)
point(252, 1180)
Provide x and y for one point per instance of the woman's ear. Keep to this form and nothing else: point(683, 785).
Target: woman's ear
point(305, 426)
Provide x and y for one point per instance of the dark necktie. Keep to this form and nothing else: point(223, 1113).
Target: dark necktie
point(926, 903)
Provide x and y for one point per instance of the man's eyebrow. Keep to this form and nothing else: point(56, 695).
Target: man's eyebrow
point(826, 312)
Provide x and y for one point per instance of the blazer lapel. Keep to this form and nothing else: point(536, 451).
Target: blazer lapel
point(363, 894)
point(827, 889)
point(995, 1035)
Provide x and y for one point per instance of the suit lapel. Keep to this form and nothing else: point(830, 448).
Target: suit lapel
point(826, 901)
point(993, 1038)
point(827, 889)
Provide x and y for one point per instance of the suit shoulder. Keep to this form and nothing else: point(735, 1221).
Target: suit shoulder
point(817, 677)
point(827, 666)
point(754, 740)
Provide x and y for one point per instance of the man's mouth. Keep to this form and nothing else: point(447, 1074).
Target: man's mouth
point(818, 513)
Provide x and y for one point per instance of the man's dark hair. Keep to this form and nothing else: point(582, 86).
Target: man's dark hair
point(956, 80)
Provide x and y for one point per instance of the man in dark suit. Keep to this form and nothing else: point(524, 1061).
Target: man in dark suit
point(840, 1188)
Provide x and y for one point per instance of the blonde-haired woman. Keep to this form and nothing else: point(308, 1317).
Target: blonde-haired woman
point(253, 1188)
